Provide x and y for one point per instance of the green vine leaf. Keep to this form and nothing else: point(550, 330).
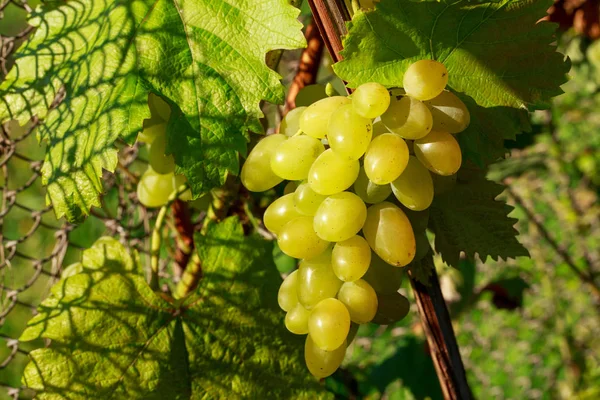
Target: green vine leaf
point(470, 219)
point(114, 338)
point(205, 57)
point(500, 60)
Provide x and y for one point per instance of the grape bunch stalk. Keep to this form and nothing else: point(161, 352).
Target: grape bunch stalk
point(389, 150)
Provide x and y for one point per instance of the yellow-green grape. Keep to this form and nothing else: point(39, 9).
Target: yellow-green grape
point(159, 161)
point(360, 299)
point(370, 100)
point(422, 245)
point(315, 118)
point(296, 320)
point(152, 130)
point(256, 174)
point(425, 79)
point(351, 258)
point(298, 239)
point(389, 234)
point(449, 113)
point(316, 280)
point(154, 189)
point(391, 308)
point(414, 187)
point(329, 324)
point(310, 94)
point(293, 158)
point(368, 4)
point(290, 125)
point(159, 107)
point(443, 184)
point(382, 277)
point(439, 152)
point(408, 117)
point(322, 363)
point(306, 200)
point(279, 213)
point(287, 297)
point(369, 192)
point(203, 202)
point(379, 128)
point(386, 158)
point(349, 134)
point(290, 187)
point(179, 180)
point(340, 216)
point(418, 219)
point(331, 173)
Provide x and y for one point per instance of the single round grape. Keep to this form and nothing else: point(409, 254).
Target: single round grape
point(391, 308)
point(439, 152)
point(315, 119)
point(339, 217)
point(370, 100)
point(383, 277)
point(154, 189)
point(425, 79)
point(443, 184)
point(408, 117)
point(369, 192)
point(290, 124)
point(293, 158)
point(256, 174)
point(306, 200)
point(389, 234)
point(379, 128)
point(279, 213)
point(414, 187)
point(360, 299)
point(287, 297)
point(159, 161)
point(290, 187)
point(298, 239)
point(152, 130)
point(422, 245)
point(203, 202)
point(386, 158)
point(449, 113)
point(316, 280)
point(179, 180)
point(349, 134)
point(351, 258)
point(159, 107)
point(331, 173)
point(322, 363)
point(296, 320)
point(310, 94)
point(329, 324)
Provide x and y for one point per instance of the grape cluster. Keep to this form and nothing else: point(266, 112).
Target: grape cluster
point(340, 154)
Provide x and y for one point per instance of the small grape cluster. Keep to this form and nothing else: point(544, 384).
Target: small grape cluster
point(341, 153)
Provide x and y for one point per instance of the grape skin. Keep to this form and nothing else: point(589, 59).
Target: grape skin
point(329, 324)
point(296, 320)
point(287, 297)
point(383, 278)
point(154, 189)
point(425, 79)
point(351, 258)
point(315, 119)
point(349, 134)
point(316, 280)
point(256, 174)
point(449, 113)
point(279, 213)
point(293, 158)
point(439, 152)
point(368, 191)
point(339, 217)
point(159, 161)
point(322, 363)
point(306, 200)
point(408, 117)
point(414, 187)
point(386, 158)
point(360, 299)
point(370, 100)
point(298, 239)
point(290, 125)
point(331, 174)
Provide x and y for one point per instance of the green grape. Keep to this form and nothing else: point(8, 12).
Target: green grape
point(391, 308)
point(339, 217)
point(203, 202)
point(449, 113)
point(443, 184)
point(310, 94)
point(379, 128)
point(306, 200)
point(408, 117)
point(389, 234)
point(370, 100)
point(422, 245)
point(316, 280)
point(414, 187)
point(322, 363)
point(331, 173)
point(279, 213)
point(290, 125)
point(351, 258)
point(425, 79)
point(360, 299)
point(152, 130)
point(418, 219)
point(382, 277)
point(154, 189)
point(329, 324)
point(298, 239)
point(159, 107)
point(290, 187)
point(179, 180)
point(256, 174)
point(287, 297)
point(439, 152)
point(368, 4)
point(159, 161)
point(315, 119)
point(349, 134)
point(296, 320)
point(293, 158)
point(369, 192)
point(386, 158)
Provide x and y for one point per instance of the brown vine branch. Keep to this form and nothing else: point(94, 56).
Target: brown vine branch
point(330, 16)
point(185, 236)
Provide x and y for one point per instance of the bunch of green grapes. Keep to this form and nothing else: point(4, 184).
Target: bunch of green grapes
point(357, 212)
